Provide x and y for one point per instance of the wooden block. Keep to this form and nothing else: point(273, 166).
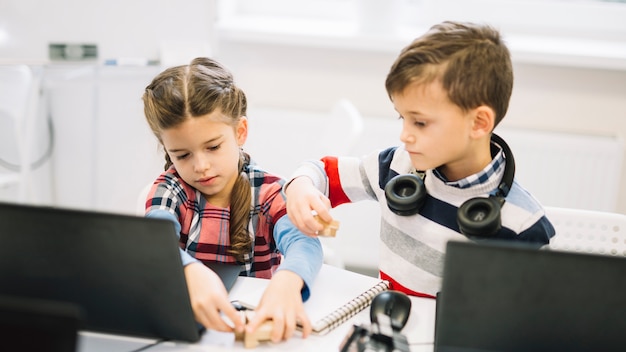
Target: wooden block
point(239, 336)
point(330, 228)
point(263, 332)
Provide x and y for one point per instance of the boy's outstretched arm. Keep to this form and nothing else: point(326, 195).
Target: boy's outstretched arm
point(303, 201)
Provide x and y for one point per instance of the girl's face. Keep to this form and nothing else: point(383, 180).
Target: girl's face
point(206, 151)
point(437, 133)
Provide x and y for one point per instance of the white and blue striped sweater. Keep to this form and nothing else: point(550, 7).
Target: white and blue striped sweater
point(412, 247)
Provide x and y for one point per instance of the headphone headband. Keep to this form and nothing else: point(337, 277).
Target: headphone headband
point(509, 168)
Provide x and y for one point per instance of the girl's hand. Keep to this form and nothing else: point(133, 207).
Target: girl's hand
point(282, 303)
point(303, 201)
point(208, 298)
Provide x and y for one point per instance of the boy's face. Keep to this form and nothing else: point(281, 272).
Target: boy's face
point(436, 132)
point(205, 152)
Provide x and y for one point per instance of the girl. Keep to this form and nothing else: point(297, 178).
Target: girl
point(225, 208)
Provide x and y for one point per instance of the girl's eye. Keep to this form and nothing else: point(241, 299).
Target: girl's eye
point(182, 156)
point(420, 123)
point(215, 147)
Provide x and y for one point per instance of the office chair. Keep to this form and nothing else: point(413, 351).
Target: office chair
point(588, 231)
point(16, 87)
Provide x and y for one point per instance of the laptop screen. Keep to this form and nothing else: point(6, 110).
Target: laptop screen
point(508, 297)
point(124, 272)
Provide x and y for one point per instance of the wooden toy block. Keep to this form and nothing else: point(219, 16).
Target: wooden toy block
point(262, 333)
point(330, 228)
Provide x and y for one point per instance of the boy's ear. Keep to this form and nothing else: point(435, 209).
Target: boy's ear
point(484, 121)
point(242, 130)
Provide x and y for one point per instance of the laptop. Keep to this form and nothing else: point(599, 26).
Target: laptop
point(31, 324)
point(510, 297)
point(123, 272)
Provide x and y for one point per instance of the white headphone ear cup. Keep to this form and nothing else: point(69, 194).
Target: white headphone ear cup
point(405, 194)
point(480, 217)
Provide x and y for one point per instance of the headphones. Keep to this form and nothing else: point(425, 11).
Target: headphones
point(480, 216)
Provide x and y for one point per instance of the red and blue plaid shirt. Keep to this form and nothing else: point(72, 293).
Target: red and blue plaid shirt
point(204, 230)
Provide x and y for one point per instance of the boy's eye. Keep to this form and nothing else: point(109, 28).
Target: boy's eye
point(420, 123)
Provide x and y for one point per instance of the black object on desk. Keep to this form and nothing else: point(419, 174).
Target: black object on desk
point(394, 304)
point(389, 313)
point(124, 272)
point(503, 296)
point(29, 324)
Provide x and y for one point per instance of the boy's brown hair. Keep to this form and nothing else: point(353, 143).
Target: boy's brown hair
point(471, 60)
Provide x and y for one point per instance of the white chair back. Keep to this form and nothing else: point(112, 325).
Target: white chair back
point(344, 128)
point(588, 231)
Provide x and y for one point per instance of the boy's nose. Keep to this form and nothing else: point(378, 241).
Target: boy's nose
point(406, 137)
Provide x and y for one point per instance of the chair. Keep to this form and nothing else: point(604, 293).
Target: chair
point(16, 88)
point(344, 128)
point(141, 199)
point(588, 231)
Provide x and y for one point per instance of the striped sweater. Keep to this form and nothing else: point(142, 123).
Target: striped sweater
point(412, 247)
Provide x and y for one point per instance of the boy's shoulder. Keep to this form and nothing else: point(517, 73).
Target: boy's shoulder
point(521, 197)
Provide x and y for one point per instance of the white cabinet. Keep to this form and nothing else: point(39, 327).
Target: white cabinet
point(104, 150)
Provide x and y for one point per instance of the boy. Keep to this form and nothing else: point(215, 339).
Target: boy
point(451, 88)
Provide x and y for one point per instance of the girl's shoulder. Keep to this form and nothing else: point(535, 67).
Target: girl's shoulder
point(170, 183)
point(265, 185)
point(261, 177)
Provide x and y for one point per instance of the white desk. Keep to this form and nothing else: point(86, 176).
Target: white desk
point(419, 332)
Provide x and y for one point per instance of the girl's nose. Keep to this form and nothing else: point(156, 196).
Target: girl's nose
point(201, 164)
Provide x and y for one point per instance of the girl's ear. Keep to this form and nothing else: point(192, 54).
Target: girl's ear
point(242, 130)
point(483, 121)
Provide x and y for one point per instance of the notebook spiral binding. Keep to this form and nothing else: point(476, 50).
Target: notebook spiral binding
point(350, 309)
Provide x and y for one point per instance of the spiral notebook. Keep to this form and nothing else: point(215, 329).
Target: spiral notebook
point(336, 296)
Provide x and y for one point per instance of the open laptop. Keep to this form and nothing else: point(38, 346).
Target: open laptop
point(509, 297)
point(123, 272)
point(32, 324)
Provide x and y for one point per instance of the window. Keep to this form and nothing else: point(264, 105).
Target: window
point(572, 32)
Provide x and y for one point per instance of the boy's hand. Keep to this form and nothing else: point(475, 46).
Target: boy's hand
point(282, 303)
point(303, 202)
point(209, 298)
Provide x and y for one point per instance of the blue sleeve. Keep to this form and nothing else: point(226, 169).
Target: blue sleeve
point(164, 214)
point(303, 255)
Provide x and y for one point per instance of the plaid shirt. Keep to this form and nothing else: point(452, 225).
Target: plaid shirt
point(483, 176)
point(205, 228)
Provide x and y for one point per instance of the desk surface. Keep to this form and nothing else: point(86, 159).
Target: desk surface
point(419, 332)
